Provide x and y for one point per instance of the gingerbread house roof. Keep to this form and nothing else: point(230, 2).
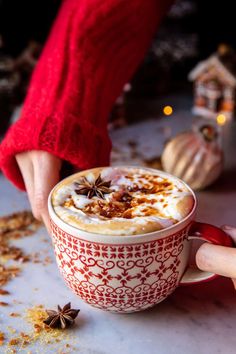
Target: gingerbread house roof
point(225, 65)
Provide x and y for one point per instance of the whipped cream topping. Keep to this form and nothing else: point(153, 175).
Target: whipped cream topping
point(140, 201)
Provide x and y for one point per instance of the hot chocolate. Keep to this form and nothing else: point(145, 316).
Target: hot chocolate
point(122, 200)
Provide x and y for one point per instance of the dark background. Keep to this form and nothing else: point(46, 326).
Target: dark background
point(190, 33)
point(23, 20)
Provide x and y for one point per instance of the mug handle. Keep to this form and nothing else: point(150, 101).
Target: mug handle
point(208, 233)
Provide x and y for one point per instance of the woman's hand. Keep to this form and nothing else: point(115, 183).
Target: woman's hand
point(40, 171)
point(218, 259)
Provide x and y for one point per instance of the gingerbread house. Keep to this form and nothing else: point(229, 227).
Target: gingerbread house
point(215, 84)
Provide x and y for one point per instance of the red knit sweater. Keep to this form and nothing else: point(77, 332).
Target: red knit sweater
point(93, 49)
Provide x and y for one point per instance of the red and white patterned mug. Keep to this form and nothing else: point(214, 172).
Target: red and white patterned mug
point(130, 273)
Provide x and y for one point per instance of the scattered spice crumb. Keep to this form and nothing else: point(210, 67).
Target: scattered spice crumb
point(7, 273)
point(2, 303)
point(24, 335)
point(25, 342)
point(4, 292)
point(2, 338)
point(11, 330)
point(12, 351)
point(14, 341)
point(14, 314)
point(47, 260)
point(37, 328)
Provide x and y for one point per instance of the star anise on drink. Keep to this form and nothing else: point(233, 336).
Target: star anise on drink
point(62, 318)
point(97, 188)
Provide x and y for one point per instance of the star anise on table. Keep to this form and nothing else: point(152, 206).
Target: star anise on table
point(62, 318)
point(97, 188)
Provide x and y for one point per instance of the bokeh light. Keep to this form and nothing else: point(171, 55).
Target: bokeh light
point(167, 110)
point(221, 119)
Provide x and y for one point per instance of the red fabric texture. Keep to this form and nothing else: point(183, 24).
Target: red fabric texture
point(93, 49)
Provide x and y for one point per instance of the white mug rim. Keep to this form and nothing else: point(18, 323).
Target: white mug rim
point(118, 239)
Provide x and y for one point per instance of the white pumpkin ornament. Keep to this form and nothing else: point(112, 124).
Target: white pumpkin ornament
point(194, 156)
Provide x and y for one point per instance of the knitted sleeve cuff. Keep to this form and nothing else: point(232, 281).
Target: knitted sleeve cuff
point(83, 147)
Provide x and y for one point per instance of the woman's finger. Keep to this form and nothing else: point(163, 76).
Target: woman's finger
point(26, 167)
point(217, 259)
point(46, 175)
point(231, 231)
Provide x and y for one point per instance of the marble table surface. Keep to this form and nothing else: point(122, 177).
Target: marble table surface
point(198, 319)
